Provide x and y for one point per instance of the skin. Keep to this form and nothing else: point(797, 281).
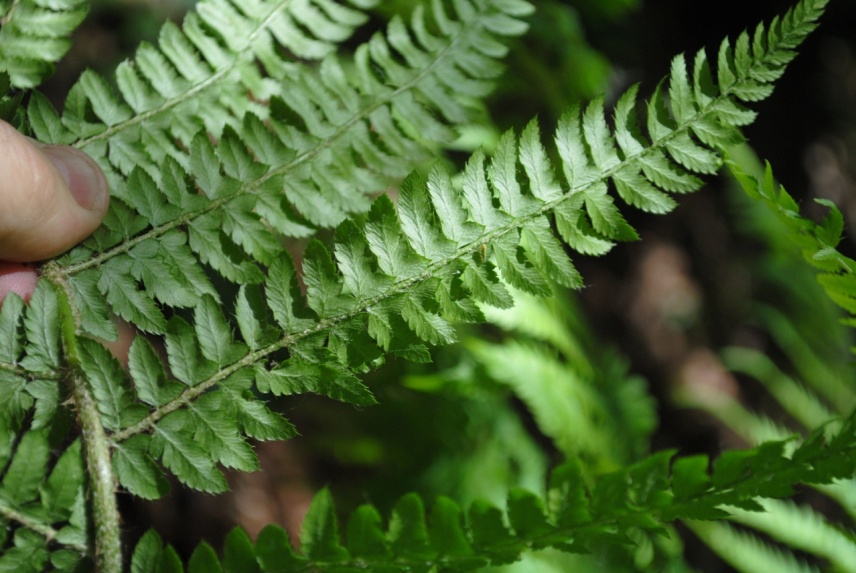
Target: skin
point(51, 198)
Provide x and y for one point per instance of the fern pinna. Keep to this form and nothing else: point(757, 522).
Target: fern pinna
point(223, 139)
point(570, 516)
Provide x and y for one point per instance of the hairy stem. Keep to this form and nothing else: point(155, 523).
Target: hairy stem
point(105, 512)
point(96, 446)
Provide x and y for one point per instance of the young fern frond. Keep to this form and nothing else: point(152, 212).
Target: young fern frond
point(34, 35)
point(571, 516)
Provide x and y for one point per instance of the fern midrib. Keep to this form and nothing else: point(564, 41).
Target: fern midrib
point(171, 103)
point(49, 533)
point(19, 371)
point(4, 21)
point(96, 447)
point(251, 187)
point(400, 286)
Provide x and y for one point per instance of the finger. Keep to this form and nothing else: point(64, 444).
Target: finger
point(51, 198)
point(17, 278)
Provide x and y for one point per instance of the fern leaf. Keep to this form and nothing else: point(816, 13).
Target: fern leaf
point(302, 153)
point(35, 35)
point(308, 154)
point(798, 401)
point(41, 499)
point(383, 285)
point(803, 529)
point(572, 517)
point(748, 553)
point(275, 169)
point(561, 402)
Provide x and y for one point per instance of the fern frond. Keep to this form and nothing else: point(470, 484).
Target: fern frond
point(34, 35)
point(566, 408)
point(615, 402)
point(392, 284)
point(42, 501)
point(570, 517)
point(823, 368)
point(232, 177)
point(306, 159)
point(804, 529)
point(580, 396)
point(818, 242)
point(797, 400)
point(320, 138)
point(747, 553)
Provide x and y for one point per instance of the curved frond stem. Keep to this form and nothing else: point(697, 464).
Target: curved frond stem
point(96, 448)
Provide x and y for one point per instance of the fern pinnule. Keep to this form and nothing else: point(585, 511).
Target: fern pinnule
point(35, 35)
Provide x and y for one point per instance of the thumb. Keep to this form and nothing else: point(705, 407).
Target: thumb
point(51, 197)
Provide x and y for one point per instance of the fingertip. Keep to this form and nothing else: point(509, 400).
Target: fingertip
point(17, 278)
point(81, 174)
point(52, 197)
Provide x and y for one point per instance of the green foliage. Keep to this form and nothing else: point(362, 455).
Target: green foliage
point(580, 395)
point(817, 241)
point(46, 499)
point(34, 35)
point(243, 126)
point(813, 390)
point(570, 516)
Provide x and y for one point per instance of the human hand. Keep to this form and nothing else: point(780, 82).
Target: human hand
point(51, 198)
